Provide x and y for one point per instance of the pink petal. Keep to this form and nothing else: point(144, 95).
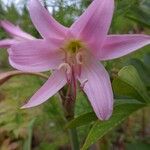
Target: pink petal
point(36, 55)
point(97, 86)
point(119, 45)
point(47, 26)
point(7, 43)
point(94, 23)
point(15, 31)
point(56, 81)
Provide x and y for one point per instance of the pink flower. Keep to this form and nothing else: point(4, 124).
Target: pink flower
point(74, 54)
point(15, 32)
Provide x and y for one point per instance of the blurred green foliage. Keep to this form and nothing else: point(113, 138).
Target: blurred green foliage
point(46, 123)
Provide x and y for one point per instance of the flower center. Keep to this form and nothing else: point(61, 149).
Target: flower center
point(76, 55)
point(76, 52)
point(73, 46)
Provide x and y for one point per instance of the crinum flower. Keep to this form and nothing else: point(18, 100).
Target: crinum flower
point(74, 54)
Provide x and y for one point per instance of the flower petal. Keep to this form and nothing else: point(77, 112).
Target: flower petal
point(94, 23)
point(97, 86)
point(56, 81)
point(47, 26)
point(36, 55)
point(7, 43)
point(119, 45)
point(15, 31)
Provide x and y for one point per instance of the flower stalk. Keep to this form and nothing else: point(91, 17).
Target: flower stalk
point(68, 101)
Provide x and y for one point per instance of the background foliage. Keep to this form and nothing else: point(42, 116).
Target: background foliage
point(44, 127)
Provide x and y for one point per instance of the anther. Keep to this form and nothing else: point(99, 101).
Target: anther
point(65, 66)
point(83, 84)
point(79, 58)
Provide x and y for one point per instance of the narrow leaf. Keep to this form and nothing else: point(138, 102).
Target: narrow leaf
point(136, 14)
point(90, 117)
point(124, 90)
point(28, 142)
point(130, 76)
point(147, 60)
point(99, 128)
point(82, 120)
point(142, 70)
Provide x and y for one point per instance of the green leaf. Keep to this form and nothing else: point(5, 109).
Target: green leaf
point(48, 146)
point(140, 16)
point(126, 101)
point(90, 117)
point(147, 60)
point(130, 76)
point(82, 120)
point(137, 146)
point(124, 90)
point(143, 71)
point(99, 129)
point(27, 144)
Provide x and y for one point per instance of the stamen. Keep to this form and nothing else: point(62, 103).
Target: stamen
point(74, 83)
point(83, 84)
point(79, 70)
point(79, 58)
point(65, 66)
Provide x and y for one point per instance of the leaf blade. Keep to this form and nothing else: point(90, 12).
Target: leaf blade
point(99, 129)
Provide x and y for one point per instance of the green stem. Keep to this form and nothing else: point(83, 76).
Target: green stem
point(68, 105)
point(74, 139)
point(72, 132)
